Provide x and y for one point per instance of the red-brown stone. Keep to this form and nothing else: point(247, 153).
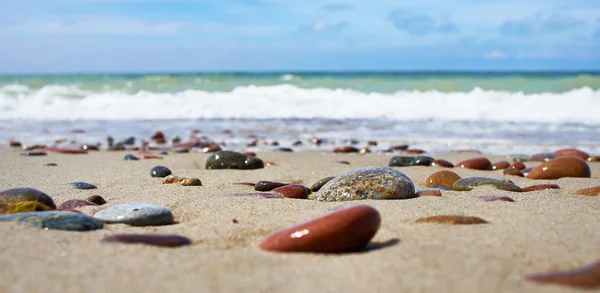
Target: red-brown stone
point(442, 163)
point(293, 191)
point(587, 277)
point(591, 191)
point(345, 149)
point(540, 187)
point(560, 167)
point(500, 165)
point(572, 152)
point(64, 150)
point(442, 178)
point(517, 165)
point(480, 163)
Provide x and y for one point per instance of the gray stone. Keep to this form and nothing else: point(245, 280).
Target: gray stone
point(233, 160)
point(368, 183)
point(82, 185)
point(56, 220)
point(466, 184)
point(160, 171)
point(136, 214)
point(405, 161)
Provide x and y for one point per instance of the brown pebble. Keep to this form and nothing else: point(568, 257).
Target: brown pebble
point(213, 147)
point(543, 157)
point(500, 165)
point(317, 141)
point(341, 162)
point(150, 157)
point(452, 220)
point(560, 167)
point(246, 183)
point(149, 239)
point(572, 152)
point(594, 159)
point(265, 185)
point(345, 230)
point(252, 154)
point(235, 221)
point(345, 149)
point(442, 163)
point(428, 193)
point(443, 178)
point(190, 182)
point(159, 138)
point(364, 150)
point(587, 277)
point(261, 194)
point(413, 152)
point(540, 187)
point(591, 191)
point(513, 171)
point(517, 165)
point(170, 179)
point(64, 150)
point(293, 191)
point(497, 198)
point(480, 163)
point(75, 203)
point(99, 200)
point(297, 143)
point(51, 165)
point(372, 142)
point(14, 144)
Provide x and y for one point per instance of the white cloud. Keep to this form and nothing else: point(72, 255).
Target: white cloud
point(495, 54)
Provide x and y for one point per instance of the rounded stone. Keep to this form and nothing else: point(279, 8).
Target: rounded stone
point(346, 230)
point(170, 179)
point(368, 183)
point(591, 191)
point(517, 165)
point(480, 163)
point(500, 165)
point(442, 163)
point(57, 220)
point(82, 185)
point(233, 160)
point(293, 191)
point(317, 185)
point(560, 167)
point(148, 239)
point(265, 185)
point(452, 220)
point(12, 199)
point(160, 171)
point(64, 150)
point(442, 178)
point(345, 149)
point(405, 161)
point(540, 187)
point(191, 182)
point(130, 157)
point(512, 171)
point(467, 184)
point(99, 200)
point(75, 203)
point(136, 214)
point(543, 157)
point(572, 152)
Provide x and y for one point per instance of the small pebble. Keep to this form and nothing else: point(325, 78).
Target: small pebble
point(130, 157)
point(500, 165)
point(341, 162)
point(160, 171)
point(517, 165)
point(480, 163)
point(400, 147)
point(413, 152)
point(57, 220)
point(244, 183)
point(293, 191)
point(452, 220)
point(364, 150)
point(283, 149)
point(586, 277)
point(442, 163)
point(64, 150)
point(149, 239)
point(265, 185)
point(317, 185)
point(405, 161)
point(345, 230)
point(428, 192)
point(99, 200)
point(442, 178)
point(591, 191)
point(163, 153)
point(560, 167)
point(467, 184)
point(543, 157)
point(233, 160)
point(82, 185)
point(75, 203)
point(191, 182)
point(345, 149)
point(261, 194)
point(170, 179)
point(33, 154)
point(540, 187)
point(497, 198)
point(136, 214)
point(594, 159)
point(51, 165)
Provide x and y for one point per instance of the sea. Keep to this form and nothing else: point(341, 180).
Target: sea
point(495, 112)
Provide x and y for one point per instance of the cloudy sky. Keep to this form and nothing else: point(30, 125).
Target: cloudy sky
point(284, 35)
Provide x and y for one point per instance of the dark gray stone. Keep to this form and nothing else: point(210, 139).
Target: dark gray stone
point(405, 161)
point(233, 160)
point(160, 171)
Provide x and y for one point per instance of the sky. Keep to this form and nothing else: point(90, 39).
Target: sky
point(66, 36)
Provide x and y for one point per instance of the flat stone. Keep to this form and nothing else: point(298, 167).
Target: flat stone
point(99, 200)
point(265, 185)
point(405, 161)
point(148, 239)
point(261, 194)
point(345, 230)
point(24, 199)
point(233, 160)
point(130, 157)
point(64, 150)
point(34, 154)
point(560, 167)
point(136, 214)
point(345, 149)
point(467, 184)
point(160, 171)
point(540, 187)
point(497, 198)
point(293, 191)
point(82, 185)
point(442, 163)
point(572, 152)
point(500, 165)
point(57, 220)
point(591, 191)
point(368, 183)
point(480, 163)
point(442, 178)
point(317, 185)
point(75, 203)
point(428, 192)
point(452, 220)
point(583, 278)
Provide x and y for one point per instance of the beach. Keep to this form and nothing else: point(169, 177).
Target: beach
point(541, 231)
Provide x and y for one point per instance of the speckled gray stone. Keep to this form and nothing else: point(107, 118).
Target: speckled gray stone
point(466, 184)
point(368, 183)
point(405, 161)
point(56, 220)
point(136, 214)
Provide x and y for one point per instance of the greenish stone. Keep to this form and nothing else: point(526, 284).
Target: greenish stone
point(467, 184)
point(368, 183)
point(233, 160)
point(20, 200)
point(317, 185)
point(405, 161)
point(56, 220)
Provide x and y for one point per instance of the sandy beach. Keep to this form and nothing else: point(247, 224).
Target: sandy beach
point(541, 231)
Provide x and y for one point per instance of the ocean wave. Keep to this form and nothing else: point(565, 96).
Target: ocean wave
point(69, 102)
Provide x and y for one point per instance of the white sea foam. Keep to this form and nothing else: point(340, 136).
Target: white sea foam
point(58, 102)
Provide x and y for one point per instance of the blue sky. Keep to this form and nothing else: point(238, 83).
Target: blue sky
point(266, 35)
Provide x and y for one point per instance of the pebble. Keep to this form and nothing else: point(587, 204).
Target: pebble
point(399, 147)
point(467, 184)
point(572, 152)
point(293, 191)
point(265, 185)
point(586, 277)
point(442, 163)
point(149, 239)
point(179, 151)
point(24, 199)
point(233, 160)
point(345, 230)
point(317, 185)
point(345, 149)
point(34, 154)
point(497, 198)
point(163, 153)
point(243, 183)
point(560, 167)
point(442, 178)
point(404, 161)
point(513, 172)
point(14, 144)
point(160, 171)
point(57, 220)
point(440, 187)
point(64, 150)
point(517, 165)
point(136, 214)
point(594, 159)
point(284, 149)
point(413, 152)
point(171, 179)
point(540, 187)
point(480, 163)
point(452, 220)
point(51, 165)
point(591, 191)
point(75, 203)
point(99, 200)
point(364, 150)
point(543, 157)
point(82, 185)
point(261, 194)
point(428, 192)
point(368, 183)
point(343, 162)
point(191, 182)
point(130, 157)
point(500, 165)
point(150, 157)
